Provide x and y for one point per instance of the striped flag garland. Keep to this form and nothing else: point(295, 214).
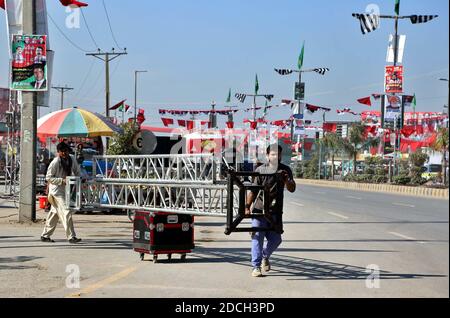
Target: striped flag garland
point(376, 96)
point(422, 18)
point(369, 22)
point(346, 111)
point(321, 71)
point(284, 71)
point(241, 97)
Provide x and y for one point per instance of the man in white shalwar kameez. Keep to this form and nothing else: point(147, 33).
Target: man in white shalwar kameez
point(60, 168)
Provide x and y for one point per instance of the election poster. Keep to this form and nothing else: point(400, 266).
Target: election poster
point(29, 63)
point(393, 79)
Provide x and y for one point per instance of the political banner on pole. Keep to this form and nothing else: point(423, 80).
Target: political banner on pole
point(393, 79)
point(393, 108)
point(29, 63)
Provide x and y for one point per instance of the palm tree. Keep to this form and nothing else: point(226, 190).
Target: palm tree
point(333, 144)
point(357, 140)
point(441, 145)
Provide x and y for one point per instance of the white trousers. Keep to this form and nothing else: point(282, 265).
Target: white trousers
point(59, 212)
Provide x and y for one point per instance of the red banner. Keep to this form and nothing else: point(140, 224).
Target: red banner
point(394, 79)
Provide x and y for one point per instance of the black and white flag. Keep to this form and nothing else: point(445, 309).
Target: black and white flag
point(284, 71)
point(369, 22)
point(241, 97)
point(422, 18)
point(321, 71)
point(269, 97)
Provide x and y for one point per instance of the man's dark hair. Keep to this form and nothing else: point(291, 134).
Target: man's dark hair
point(38, 66)
point(273, 147)
point(62, 146)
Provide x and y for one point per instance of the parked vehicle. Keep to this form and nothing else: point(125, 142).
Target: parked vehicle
point(431, 171)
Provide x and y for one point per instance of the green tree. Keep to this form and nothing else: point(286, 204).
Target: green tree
point(441, 145)
point(417, 160)
point(333, 146)
point(356, 141)
point(122, 144)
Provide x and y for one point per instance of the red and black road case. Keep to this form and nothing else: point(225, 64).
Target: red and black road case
point(163, 233)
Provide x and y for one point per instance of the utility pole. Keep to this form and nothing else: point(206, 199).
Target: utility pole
point(62, 90)
point(135, 93)
point(448, 102)
point(107, 57)
point(368, 25)
point(27, 198)
point(299, 96)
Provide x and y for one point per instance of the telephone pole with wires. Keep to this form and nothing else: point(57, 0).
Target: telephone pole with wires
point(62, 90)
point(107, 57)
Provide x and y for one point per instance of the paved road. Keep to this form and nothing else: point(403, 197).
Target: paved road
point(331, 237)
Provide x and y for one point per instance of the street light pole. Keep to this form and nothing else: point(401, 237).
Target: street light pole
point(448, 102)
point(135, 93)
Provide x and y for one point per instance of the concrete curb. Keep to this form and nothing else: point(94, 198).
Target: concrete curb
point(384, 188)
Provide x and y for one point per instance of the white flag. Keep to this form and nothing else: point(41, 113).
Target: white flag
point(401, 48)
point(14, 18)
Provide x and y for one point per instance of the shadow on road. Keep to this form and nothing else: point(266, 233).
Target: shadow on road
point(296, 267)
point(18, 259)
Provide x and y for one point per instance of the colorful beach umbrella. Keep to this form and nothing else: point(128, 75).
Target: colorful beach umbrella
point(75, 122)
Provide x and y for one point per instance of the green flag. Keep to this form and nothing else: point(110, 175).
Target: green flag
point(256, 85)
point(414, 102)
point(397, 7)
point(229, 96)
point(265, 109)
point(300, 58)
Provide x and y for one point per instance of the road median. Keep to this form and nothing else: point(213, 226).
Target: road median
point(383, 188)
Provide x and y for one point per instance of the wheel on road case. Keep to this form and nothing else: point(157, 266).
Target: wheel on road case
point(155, 258)
point(142, 256)
point(169, 256)
point(183, 257)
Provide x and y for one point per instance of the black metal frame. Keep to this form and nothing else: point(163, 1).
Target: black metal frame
point(235, 179)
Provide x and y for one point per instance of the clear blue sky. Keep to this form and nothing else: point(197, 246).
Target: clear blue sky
point(196, 50)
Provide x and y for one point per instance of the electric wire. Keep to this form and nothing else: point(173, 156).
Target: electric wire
point(88, 28)
point(110, 27)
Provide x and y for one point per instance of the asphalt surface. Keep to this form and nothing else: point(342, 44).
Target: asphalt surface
point(333, 241)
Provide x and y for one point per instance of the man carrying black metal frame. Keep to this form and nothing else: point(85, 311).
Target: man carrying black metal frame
point(277, 176)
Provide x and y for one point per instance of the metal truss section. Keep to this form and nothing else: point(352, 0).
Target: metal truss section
point(193, 168)
point(235, 218)
point(156, 196)
point(12, 157)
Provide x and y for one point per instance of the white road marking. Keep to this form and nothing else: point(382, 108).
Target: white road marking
point(356, 198)
point(338, 215)
point(298, 204)
point(404, 204)
point(319, 192)
point(406, 237)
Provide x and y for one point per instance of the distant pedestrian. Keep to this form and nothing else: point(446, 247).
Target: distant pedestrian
point(63, 166)
point(79, 154)
point(279, 177)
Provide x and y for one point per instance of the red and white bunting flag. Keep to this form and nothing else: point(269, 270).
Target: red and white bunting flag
point(365, 101)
